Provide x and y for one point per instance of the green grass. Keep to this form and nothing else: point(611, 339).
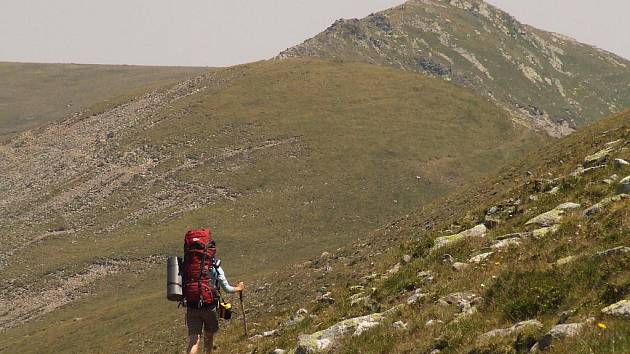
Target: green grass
point(519, 283)
point(353, 139)
point(34, 94)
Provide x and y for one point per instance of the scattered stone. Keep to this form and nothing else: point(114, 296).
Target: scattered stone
point(399, 325)
point(324, 339)
point(477, 231)
point(395, 269)
point(624, 186)
point(611, 179)
point(553, 216)
point(274, 332)
point(279, 351)
point(299, 316)
point(465, 301)
point(544, 231)
point(426, 276)
point(597, 208)
point(515, 330)
point(480, 257)
point(514, 241)
point(598, 157)
point(326, 298)
point(433, 322)
point(417, 297)
point(621, 163)
point(491, 221)
point(558, 332)
point(447, 258)
point(619, 309)
point(325, 255)
point(614, 251)
point(581, 170)
point(565, 315)
point(357, 289)
point(407, 259)
point(554, 190)
point(568, 206)
point(459, 266)
point(565, 260)
point(521, 235)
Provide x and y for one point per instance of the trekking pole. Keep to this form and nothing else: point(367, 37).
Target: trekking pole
point(240, 297)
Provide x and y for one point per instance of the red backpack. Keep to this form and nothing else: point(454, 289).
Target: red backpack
point(199, 251)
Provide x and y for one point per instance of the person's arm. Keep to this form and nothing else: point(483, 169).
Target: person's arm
point(223, 282)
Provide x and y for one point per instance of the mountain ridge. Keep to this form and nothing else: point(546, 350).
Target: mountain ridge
point(539, 77)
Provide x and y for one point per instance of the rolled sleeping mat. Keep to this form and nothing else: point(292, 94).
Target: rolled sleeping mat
point(173, 279)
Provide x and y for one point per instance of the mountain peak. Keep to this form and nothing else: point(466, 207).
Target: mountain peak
point(547, 81)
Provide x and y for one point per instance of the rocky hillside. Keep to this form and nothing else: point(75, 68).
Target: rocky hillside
point(34, 94)
point(545, 80)
point(535, 259)
point(298, 155)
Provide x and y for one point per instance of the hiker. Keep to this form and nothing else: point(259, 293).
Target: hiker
point(203, 278)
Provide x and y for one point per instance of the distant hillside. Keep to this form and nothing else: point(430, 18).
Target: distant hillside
point(534, 259)
point(284, 159)
point(33, 94)
point(544, 79)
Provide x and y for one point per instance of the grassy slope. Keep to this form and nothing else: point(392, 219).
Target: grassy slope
point(358, 135)
point(33, 94)
point(517, 283)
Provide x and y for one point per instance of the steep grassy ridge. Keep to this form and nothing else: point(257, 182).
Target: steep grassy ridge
point(566, 274)
point(33, 94)
point(544, 79)
point(283, 159)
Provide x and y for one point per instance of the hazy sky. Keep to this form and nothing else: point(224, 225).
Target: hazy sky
point(227, 32)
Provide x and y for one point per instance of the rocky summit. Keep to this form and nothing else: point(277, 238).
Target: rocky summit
point(545, 80)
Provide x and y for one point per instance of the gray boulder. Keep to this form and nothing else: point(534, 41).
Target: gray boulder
point(417, 297)
point(544, 231)
point(515, 330)
point(618, 309)
point(322, 341)
point(477, 231)
point(624, 186)
point(621, 163)
point(598, 157)
point(506, 243)
point(559, 332)
point(614, 251)
point(597, 208)
point(480, 257)
point(553, 216)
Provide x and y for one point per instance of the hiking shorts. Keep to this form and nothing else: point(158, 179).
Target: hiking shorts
point(200, 320)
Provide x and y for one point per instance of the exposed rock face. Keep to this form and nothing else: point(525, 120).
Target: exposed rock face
point(531, 73)
point(477, 231)
point(619, 309)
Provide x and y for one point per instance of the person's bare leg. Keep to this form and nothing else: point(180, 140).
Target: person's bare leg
point(208, 344)
point(194, 341)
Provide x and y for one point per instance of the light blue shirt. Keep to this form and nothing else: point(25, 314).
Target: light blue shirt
point(218, 276)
